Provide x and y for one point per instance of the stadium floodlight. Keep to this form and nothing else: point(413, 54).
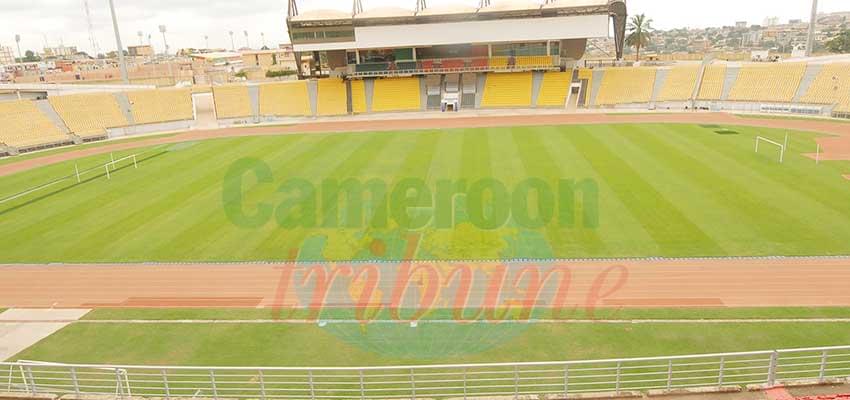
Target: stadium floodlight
point(18, 41)
point(162, 30)
point(121, 60)
point(247, 43)
point(810, 41)
point(263, 36)
point(232, 43)
point(141, 37)
point(207, 41)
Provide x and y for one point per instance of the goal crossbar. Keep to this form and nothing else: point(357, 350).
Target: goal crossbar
point(781, 146)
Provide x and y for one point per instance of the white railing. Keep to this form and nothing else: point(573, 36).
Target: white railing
point(429, 381)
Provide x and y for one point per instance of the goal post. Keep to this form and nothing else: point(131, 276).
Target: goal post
point(782, 146)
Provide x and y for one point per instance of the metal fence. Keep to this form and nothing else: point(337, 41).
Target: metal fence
point(429, 381)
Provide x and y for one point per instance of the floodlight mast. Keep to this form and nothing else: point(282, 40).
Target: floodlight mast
point(810, 41)
point(122, 61)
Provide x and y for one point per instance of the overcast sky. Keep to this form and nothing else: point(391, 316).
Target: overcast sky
point(187, 21)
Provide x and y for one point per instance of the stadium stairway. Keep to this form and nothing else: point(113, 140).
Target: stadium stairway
point(732, 71)
point(313, 93)
point(536, 84)
point(479, 94)
point(254, 98)
point(46, 109)
point(660, 78)
point(597, 84)
point(812, 71)
point(124, 105)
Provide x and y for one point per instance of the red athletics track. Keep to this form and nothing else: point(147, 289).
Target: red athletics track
point(661, 283)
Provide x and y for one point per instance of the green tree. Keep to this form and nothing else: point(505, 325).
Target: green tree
point(840, 43)
point(640, 33)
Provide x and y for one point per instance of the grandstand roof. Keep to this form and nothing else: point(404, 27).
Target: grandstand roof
point(448, 9)
point(385, 12)
point(511, 5)
point(575, 3)
point(321, 15)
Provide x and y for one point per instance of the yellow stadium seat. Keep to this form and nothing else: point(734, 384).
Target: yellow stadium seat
point(712, 83)
point(401, 94)
point(288, 99)
point(626, 85)
point(534, 61)
point(89, 115)
point(358, 96)
point(680, 83)
point(23, 125)
point(507, 90)
point(332, 97)
point(774, 82)
point(161, 105)
point(231, 102)
point(831, 86)
point(553, 92)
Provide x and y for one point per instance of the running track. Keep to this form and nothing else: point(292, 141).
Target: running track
point(659, 283)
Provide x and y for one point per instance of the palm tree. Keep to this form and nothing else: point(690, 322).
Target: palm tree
point(640, 33)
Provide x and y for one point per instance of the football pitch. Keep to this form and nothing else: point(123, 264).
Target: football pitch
point(635, 190)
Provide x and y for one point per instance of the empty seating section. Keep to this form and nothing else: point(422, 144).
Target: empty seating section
point(288, 99)
point(23, 125)
point(332, 97)
point(712, 83)
point(453, 63)
point(831, 86)
point(231, 102)
point(507, 90)
point(165, 105)
point(480, 63)
point(499, 62)
point(534, 61)
point(679, 84)
point(358, 96)
point(553, 92)
point(401, 94)
point(626, 85)
point(88, 115)
point(775, 82)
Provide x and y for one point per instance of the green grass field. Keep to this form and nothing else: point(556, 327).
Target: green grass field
point(383, 344)
point(664, 190)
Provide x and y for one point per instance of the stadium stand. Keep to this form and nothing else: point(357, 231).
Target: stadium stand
point(712, 83)
point(231, 102)
point(287, 99)
point(680, 83)
point(401, 94)
point(553, 91)
point(88, 115)
point(768, 82)
point(831, 86)
point(162, 105)
point(534, 61)
point(507, 90)
point(626, 85)
point(358, 96)
point(332, 97)
point(25, 126)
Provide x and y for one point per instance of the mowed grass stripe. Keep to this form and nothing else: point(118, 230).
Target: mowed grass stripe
point(90, 210)
point(723, 209)
point(540, 163)
point(799, 174)
point(820, 225)
point(752, 207)
point(621, 232)
point(674, 233)
point(211, 222)
point(281, 242)
point(184, 184)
